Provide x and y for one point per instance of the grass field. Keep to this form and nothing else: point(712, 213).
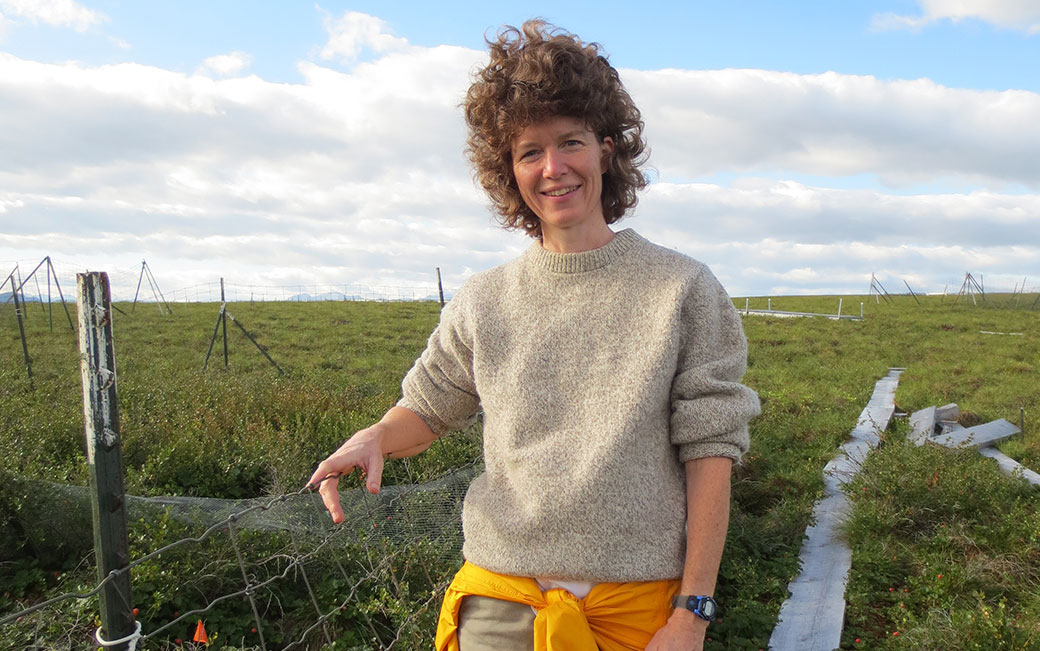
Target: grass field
point(946, 551)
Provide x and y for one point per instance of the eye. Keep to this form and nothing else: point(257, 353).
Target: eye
point(527, 154)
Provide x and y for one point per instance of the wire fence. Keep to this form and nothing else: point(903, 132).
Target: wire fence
point(45, 281)
point(233, 292)
point(137, 282)
point(275, 566)
point(269, 573)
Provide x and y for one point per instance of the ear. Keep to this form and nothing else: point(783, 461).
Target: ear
point(607, 147)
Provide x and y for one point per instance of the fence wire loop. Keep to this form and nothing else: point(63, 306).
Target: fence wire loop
point(131, 639)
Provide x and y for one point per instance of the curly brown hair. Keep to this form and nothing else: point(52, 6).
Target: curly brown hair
point(536, 73)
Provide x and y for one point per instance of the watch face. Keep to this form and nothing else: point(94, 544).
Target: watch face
point(708, 608)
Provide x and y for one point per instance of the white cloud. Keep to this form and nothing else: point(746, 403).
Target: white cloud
point(886, 22)
point(9, 203)
point(1022, 15)
point(358, 167)
point(226, 65)
point(354, 32)
point(359, 175)
point(904, 132)
point(57, 13)
point(790, 210)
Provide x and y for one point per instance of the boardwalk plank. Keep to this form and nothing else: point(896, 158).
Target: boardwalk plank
point(1010, 467)
point(922, 426)
point(979, 436)
point(811, 619)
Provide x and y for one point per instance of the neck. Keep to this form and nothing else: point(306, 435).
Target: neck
point(564, 240)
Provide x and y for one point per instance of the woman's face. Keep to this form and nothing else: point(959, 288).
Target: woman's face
point(558, 165)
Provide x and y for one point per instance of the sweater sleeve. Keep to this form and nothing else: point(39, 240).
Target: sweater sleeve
point(710, 408)
point(440, 387)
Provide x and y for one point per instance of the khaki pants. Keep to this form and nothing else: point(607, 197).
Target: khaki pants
point(487, 624)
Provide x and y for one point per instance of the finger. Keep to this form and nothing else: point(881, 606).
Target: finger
point(320, 473)
point(374, 473)
point(329, 492)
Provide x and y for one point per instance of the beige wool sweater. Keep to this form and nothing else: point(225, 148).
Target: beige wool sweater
point(598, 373)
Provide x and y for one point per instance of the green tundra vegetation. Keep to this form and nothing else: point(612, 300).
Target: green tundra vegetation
point(946, 550)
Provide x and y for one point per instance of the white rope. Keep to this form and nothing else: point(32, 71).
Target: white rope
point(132, 638)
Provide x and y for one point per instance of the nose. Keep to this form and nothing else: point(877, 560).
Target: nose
point(555, 165)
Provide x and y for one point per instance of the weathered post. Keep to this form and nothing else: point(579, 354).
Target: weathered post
point(911, 292)
point(21, 285)
point(160, 300)
point(104, 454)
point(50, 308)
point(440, 288)
point(21, 331)
point(61, 296)
point(223, 321)
point(839, 308)
point(140, 277)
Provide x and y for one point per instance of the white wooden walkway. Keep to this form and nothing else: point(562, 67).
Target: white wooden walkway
point(1010, 467)
point(813, 616)
point(983, 437)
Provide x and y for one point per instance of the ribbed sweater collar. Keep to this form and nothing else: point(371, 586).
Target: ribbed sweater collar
point(572, 263)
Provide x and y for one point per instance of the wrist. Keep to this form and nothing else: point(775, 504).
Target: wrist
point(374, 435)
point(688, 624)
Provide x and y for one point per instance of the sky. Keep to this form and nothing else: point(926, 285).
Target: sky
point(796, 147)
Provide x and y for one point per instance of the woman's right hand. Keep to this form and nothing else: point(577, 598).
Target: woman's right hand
point(400, 432)
point(363, 450)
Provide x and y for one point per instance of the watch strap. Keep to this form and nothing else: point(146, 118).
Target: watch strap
point(702, 606)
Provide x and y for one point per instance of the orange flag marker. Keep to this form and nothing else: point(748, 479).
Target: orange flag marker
point(200, 634)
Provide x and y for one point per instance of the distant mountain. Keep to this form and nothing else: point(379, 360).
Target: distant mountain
point(6, 296)
point(340, 296)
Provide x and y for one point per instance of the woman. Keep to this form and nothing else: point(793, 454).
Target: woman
point(607, 369)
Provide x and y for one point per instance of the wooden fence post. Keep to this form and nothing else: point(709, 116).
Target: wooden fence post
point(223, 320)
point(21, 331)
point(104, 454)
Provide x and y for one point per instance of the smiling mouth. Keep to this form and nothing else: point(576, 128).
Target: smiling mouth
point(561, 191)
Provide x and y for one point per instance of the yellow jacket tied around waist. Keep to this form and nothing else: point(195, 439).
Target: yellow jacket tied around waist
point(612, 617)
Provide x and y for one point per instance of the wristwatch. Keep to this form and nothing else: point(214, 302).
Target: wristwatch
point(701, 606)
